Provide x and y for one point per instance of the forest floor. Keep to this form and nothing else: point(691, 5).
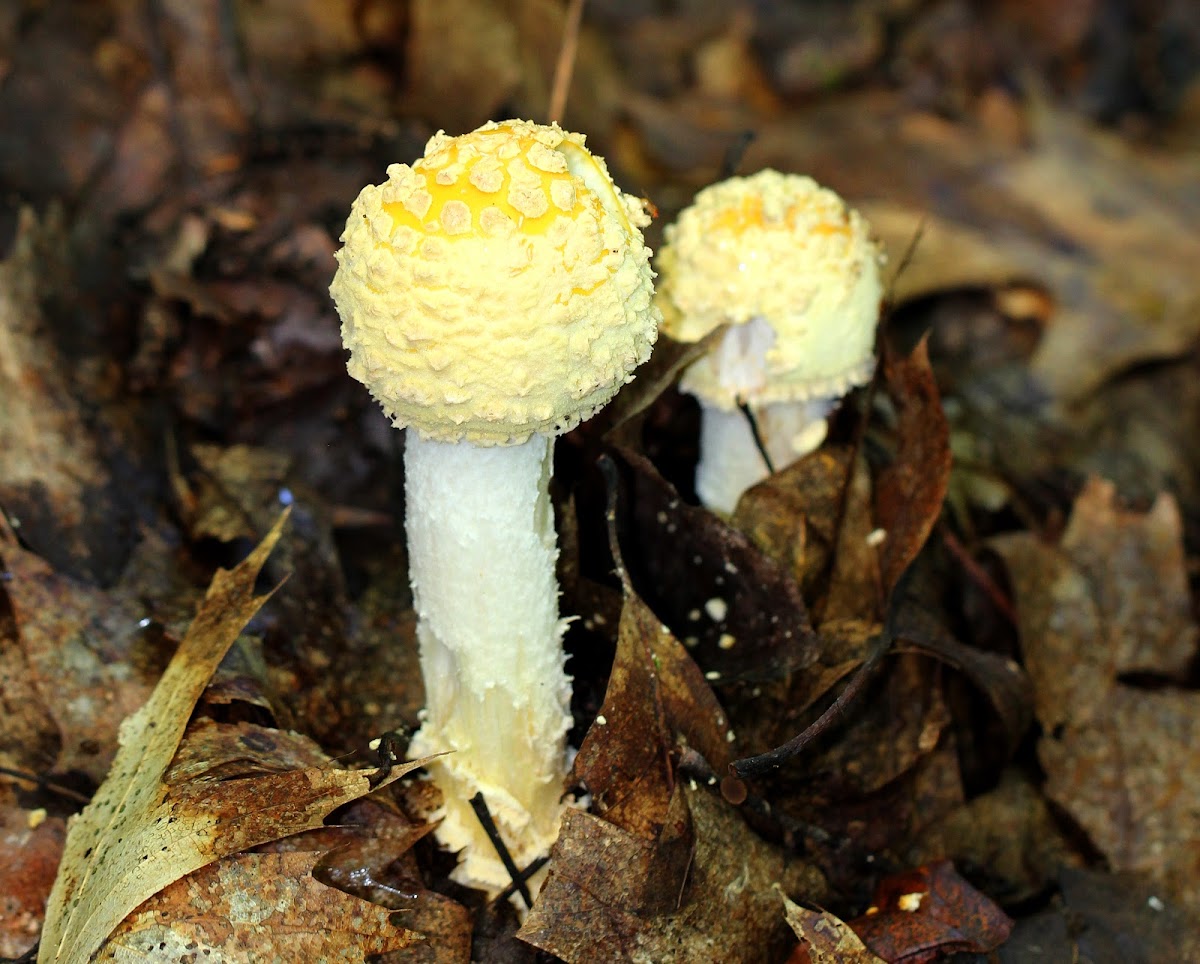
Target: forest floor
point(966, 625)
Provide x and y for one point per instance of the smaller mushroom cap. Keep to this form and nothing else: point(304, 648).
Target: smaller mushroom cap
point(497, 288)
point(790, 261)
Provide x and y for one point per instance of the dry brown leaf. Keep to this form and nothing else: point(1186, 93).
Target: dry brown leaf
point(855, 588)
point(256, 907)
point(1009, 830)
point(138, 835)
point(608, 899)
point(910, 490)
point(824, 938)
point(1102, 225)
point(1112, 599)
point(657, 700)
point(923, 914)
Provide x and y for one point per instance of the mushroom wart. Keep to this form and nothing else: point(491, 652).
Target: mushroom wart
point(493, 294)
point(795, 274)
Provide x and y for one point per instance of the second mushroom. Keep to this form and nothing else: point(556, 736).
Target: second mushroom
point(794, 273)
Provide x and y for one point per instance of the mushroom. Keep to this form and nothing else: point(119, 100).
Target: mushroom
point(795, 274)
point(493, 295)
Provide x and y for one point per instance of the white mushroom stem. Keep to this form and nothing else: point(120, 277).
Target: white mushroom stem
point(730, 462)
point(482, 551)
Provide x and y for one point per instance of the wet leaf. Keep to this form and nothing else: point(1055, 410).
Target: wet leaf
point(740, 613)
point(657, 701)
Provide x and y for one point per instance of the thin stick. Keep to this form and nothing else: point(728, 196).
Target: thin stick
point(46, 784)
point(479, 805)
point(565, 68)
point(759, 444)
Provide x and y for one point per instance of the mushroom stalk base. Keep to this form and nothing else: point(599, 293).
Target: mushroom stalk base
point(730, 462)
point(482, 552)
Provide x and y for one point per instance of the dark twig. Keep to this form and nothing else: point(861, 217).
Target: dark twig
point(565, 68)
point(765, 762)
point(734, 154)
point(479, 805)
point(758, 439)
point(980, 576)
point(46, 784)
point(522, 877)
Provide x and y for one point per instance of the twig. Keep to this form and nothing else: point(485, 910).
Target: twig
point(734, 154)
point(46, 784)
point(759, 444)
point(980, 576)
point(479, 805)
point(565, 68)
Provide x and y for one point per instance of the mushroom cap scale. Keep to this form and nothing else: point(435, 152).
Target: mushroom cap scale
point(496, 288)
point(787, 258)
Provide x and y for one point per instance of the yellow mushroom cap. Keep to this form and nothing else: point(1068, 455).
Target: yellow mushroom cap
point(777, 249)
point(497, 288)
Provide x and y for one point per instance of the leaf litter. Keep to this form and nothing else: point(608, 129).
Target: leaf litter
point(200, 193)
point(139, 834)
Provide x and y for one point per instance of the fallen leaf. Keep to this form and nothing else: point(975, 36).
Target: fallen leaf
point(1100, 223)
point(910, 490)
point(657, 700)
point(255, 907)
point(139, 835)
point(1001, 680)
point(854, 587)
point(1110, 601)
point(739, 611)
point(927, 913)
point(824, 939)
point(606, 899)
point(793, 514)
point(1008, 836)
point(665, 870)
